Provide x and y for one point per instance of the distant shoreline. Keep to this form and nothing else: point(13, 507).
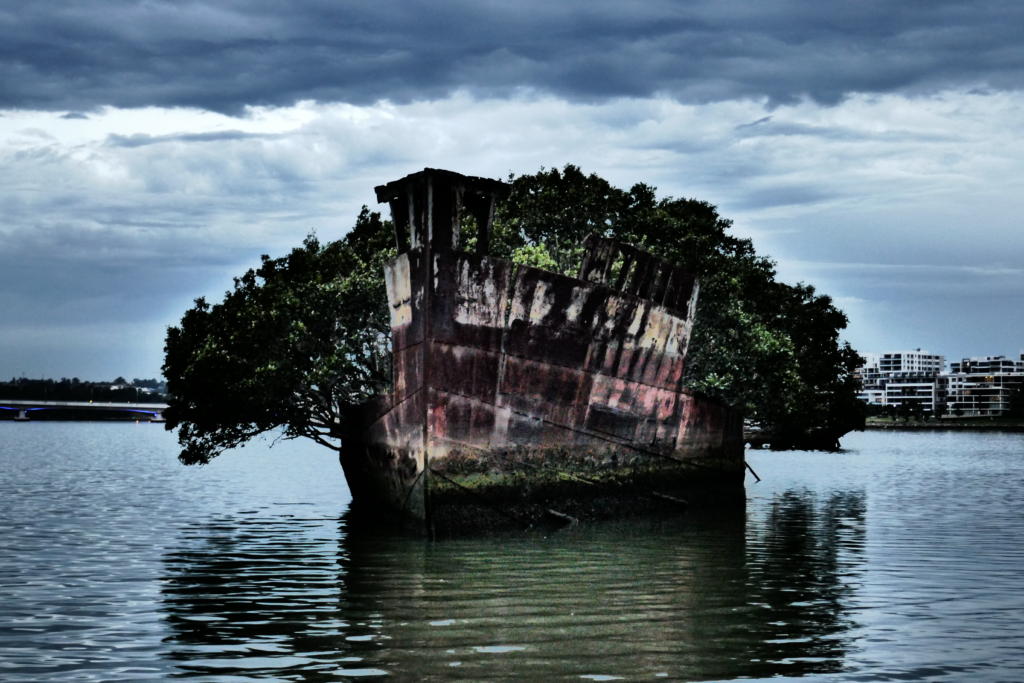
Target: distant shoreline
point(978, 425)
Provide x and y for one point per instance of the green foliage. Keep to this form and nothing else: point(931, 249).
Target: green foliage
point(295, 340)
point(535, 256)
point(304, 336)
point(769, 348)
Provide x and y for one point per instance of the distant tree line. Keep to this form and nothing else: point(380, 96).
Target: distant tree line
point(118, 390)
point(906, 412)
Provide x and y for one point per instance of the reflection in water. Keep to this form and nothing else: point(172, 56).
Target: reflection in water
point(694, 598)
point(253, 596)
point(804, 563)
point(117, 564)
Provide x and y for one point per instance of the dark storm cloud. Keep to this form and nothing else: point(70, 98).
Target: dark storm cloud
point(761, 121)
point(224, 55)
point(765, 127)
point(142, 140)
point(783, 195)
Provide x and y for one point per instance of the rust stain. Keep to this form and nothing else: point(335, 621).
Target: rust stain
point(520, 388)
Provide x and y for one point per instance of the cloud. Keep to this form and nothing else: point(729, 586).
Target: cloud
point(925, 269)
point(141, 139)
point(760, 121)
point(886, 202)
point(916, 280)
point(226, 55)
point(954, 309)
point(90, 350)
point(150, 150)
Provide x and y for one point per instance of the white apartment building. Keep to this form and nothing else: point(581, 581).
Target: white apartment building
point(983, 385)
point(988, 365)
point(903, 378)
point(872, 391)
point(923, 392)
point(975, 386)
point(916, 361)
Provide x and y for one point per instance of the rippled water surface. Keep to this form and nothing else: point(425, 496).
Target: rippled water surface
point(898, 559)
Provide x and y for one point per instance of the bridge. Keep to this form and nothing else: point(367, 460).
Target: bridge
point(153, 412)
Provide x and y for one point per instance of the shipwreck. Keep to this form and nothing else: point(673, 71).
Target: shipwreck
point(521, 395)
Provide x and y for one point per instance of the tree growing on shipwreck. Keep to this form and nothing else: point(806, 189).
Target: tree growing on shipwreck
point(303, 337)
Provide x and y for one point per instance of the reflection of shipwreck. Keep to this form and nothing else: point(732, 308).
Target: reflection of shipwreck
point(520, 393)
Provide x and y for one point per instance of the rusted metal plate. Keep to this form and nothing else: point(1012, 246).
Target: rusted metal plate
point(469, 300)
point(515, 382)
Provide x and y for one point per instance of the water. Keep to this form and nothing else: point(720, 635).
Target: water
point(898, 559)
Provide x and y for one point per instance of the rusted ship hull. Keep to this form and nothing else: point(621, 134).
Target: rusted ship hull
point(521, 394)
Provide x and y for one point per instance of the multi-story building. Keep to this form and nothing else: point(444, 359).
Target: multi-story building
point(916, 361)
point(976, 386)
point(989, 365)
point(983, 385)
point(903, 378)
point(872, 389)
point(921, 392)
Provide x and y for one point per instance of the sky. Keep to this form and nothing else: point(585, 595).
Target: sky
point(152, 150)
